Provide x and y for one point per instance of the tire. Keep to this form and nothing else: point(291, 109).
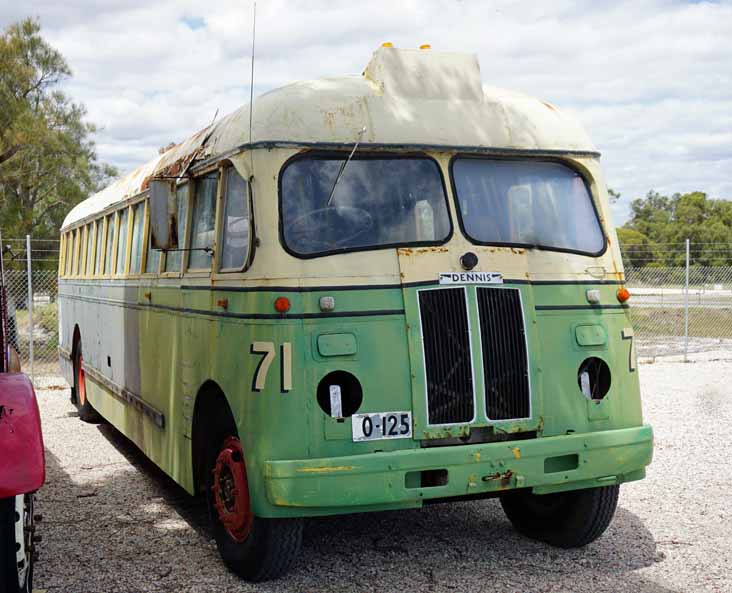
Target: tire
point(254, 548)
point(565, 519)
point(86, 411)
point(16, 553)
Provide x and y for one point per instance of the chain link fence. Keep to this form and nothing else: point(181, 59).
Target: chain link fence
point(32, 306)
point(671, 315)
point(680, 309)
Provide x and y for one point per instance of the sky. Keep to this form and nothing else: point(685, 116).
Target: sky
point(650, 80)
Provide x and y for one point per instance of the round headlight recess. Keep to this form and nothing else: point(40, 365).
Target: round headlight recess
point(593, 378)
point(339, 394)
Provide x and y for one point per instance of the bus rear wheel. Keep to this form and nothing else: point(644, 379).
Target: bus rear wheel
point(565, 519)
point(254, 548)
point(86, 411)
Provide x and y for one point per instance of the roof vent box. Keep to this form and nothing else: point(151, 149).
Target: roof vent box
point(426, 74)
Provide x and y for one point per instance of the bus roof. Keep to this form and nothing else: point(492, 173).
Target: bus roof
point(419, 99)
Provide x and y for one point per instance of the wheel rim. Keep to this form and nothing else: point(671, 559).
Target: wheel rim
point(81, 381)
point(23, 537)
point(231, 491)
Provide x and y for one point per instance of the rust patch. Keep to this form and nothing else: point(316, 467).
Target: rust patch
point(326, 470)
point(504, 478)
point(408, 251)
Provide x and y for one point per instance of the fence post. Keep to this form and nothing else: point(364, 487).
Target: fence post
point(30, 302)
point(686, 307)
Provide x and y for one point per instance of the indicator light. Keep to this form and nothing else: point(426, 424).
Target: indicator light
point(425, 46)
point(623, 294)
point(387, 44)
point(282, 304)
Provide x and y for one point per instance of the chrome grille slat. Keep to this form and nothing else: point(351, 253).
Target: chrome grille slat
point(505, 366)
point(447, 356)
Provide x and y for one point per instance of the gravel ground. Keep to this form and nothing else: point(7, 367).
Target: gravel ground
point(114, 523)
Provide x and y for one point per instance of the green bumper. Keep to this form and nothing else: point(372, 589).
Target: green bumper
point(392, 480)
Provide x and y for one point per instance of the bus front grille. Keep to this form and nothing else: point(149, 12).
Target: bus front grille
point(447, 356)
point(505, 366)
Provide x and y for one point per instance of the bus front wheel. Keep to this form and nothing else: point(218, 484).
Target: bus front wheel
point(254, 548)
point(565, 519)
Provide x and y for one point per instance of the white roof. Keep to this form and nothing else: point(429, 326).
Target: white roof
point(418, 98)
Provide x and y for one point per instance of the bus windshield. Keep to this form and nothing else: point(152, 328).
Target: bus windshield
point(378, 202)
point(526, 203)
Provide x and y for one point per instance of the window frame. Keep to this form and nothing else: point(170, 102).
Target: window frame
point(528, 159)
point(220, 213)
point(75, 260)
point(200, 272)
point(125, 262)
point(107, 217)
point(143, 246)
point(147, 237)
point(370, 155)
point(182, 243)
point(69, 254)
point(100, 225)
point(62, 255)
point(89, 259)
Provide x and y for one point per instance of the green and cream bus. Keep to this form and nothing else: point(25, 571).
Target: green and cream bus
point(376, 292)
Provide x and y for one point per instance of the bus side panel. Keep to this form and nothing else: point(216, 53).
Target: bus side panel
point(283, 420)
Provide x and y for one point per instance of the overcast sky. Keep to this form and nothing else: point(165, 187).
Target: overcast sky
point(650, 80)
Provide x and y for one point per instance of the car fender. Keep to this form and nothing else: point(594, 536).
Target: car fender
point(22, 458)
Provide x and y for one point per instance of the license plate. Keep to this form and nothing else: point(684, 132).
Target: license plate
point(381, 425)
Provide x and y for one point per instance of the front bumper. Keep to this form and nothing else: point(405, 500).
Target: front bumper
point(384, 480)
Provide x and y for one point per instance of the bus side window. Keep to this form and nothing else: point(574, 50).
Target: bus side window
point(122, 243)
point(110, 244)
point(138, 214)
point(100, 245)
point(69, 252)
point(89, 249)
point(173, 258)
point(203, 221)
point(152, 259)
point(77, 256)
point(235, 233)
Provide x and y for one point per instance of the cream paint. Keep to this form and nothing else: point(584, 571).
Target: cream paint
point(412, 97)
point(333, 110)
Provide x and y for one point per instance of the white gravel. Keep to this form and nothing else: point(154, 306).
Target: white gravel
point(114, 523)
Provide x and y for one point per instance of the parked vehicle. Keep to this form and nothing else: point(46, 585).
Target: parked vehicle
point(377, 292)
point(22, 463)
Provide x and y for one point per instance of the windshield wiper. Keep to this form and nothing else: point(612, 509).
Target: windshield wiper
point(343, 166)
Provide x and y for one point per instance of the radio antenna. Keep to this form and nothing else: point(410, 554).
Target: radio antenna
point(251, 92)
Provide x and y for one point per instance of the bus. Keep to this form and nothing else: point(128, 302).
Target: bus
point(370, 293)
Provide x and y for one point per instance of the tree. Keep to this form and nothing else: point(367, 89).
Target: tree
point(613, 196)
point(637, 249)
point(48, 161)
point(660, 225)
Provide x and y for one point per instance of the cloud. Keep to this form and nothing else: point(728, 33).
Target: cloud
point(651, 81)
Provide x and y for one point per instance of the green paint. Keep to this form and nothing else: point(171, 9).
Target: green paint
point(336, 344)
point(301, 462)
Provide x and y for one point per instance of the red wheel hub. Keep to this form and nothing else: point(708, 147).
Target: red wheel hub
point(81, 381)
point(231, 490)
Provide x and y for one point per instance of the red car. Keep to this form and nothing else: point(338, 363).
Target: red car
point(22, 463)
